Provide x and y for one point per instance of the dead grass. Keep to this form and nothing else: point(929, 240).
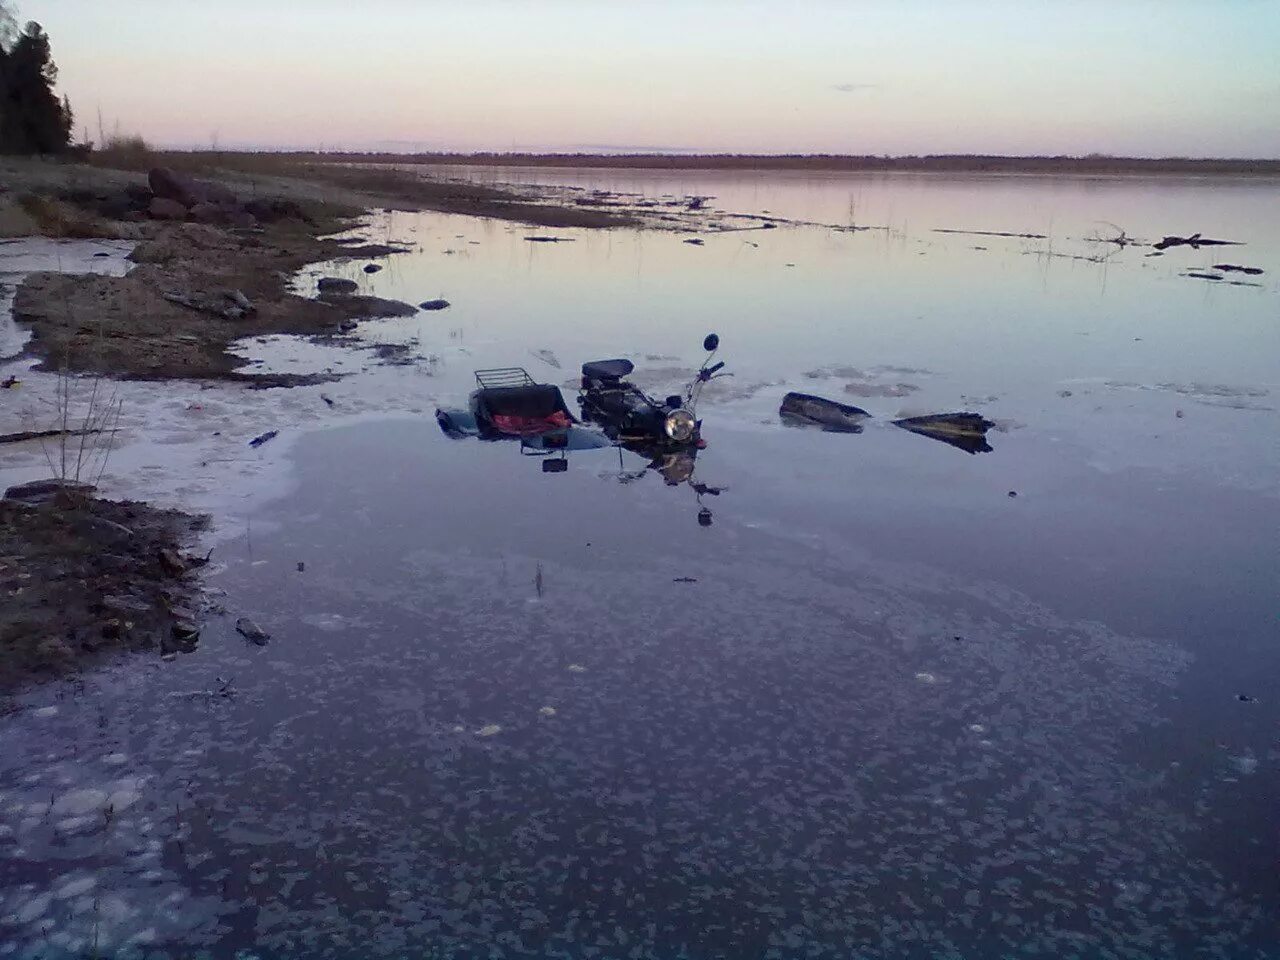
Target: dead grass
point(124, 151)
point(62, 221)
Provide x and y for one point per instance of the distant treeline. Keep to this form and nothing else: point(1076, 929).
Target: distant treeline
point(937, 163)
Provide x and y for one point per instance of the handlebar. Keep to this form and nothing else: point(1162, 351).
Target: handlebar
point(707, 372)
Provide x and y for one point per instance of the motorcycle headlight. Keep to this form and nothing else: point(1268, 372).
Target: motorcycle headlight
point(679, 426)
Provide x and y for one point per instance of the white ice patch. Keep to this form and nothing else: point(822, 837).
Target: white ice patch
point(76, 803)
point(75, 888)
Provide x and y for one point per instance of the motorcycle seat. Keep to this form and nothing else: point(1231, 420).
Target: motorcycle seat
point(607, 369)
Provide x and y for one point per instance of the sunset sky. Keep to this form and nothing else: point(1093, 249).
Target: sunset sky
point(1027, 77)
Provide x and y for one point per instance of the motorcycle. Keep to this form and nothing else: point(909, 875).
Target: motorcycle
point(628, 415)
point(508, 404)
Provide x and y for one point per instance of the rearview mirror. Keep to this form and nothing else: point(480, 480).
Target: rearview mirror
point(711, 344)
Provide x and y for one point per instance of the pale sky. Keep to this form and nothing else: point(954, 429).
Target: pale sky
point(1134, 77)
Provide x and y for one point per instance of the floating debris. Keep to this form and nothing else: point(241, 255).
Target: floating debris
point(964, 431)
point(262, 438)
point(1195, 242)
point(807, 410)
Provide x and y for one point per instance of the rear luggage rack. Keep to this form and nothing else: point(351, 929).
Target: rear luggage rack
point(504, 377)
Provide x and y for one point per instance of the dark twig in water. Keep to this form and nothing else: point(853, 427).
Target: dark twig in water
point(1195, 242)
point(994, 233)
point(42, 434)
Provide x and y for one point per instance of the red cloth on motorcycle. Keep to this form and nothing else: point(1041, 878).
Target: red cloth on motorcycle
point(531, 426)
point(524, 411)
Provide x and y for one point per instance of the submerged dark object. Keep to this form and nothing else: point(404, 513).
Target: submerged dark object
point(1195, 242)
point(806, 410)
point(252, 632)
point(964, 431)
point(262, 438)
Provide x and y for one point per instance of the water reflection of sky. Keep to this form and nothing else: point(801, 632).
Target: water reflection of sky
point(898, 711)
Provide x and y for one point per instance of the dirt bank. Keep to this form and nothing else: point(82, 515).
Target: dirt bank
point(82, 577)
point(196, 289)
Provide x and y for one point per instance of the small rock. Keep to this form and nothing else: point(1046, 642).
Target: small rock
point(243, 220)
point(251, 631)
point(1013, 493)
point(489, 730)
point(1245, 698)
point(695, 241)
point(547, 711)
point(162, 208)
point(185, 631)
point(173, 564)
point(336, 285)
point(126, 605)
point(371, 268)
point(209, 213)
point(433, 304)
point(301, 566)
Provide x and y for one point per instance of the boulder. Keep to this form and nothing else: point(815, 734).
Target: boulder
point(162, 208)
point(209, 213)
point(269, 211)
point(337, 285)
point(172, 186)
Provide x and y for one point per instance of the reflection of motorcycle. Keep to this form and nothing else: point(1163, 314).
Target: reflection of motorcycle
point(630, 416)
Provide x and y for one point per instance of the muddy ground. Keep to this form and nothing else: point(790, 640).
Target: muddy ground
point(81, 578)
point(128, 327)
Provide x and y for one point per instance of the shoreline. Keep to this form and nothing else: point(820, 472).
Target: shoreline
point(946, 164)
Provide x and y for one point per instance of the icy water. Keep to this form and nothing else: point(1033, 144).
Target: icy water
point(896, 700)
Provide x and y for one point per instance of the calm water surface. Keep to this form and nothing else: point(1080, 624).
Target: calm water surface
point(880, 707)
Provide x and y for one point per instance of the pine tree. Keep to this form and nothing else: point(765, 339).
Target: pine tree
point(32, 119)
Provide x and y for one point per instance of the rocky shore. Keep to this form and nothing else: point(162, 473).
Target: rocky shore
point(82, 577)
